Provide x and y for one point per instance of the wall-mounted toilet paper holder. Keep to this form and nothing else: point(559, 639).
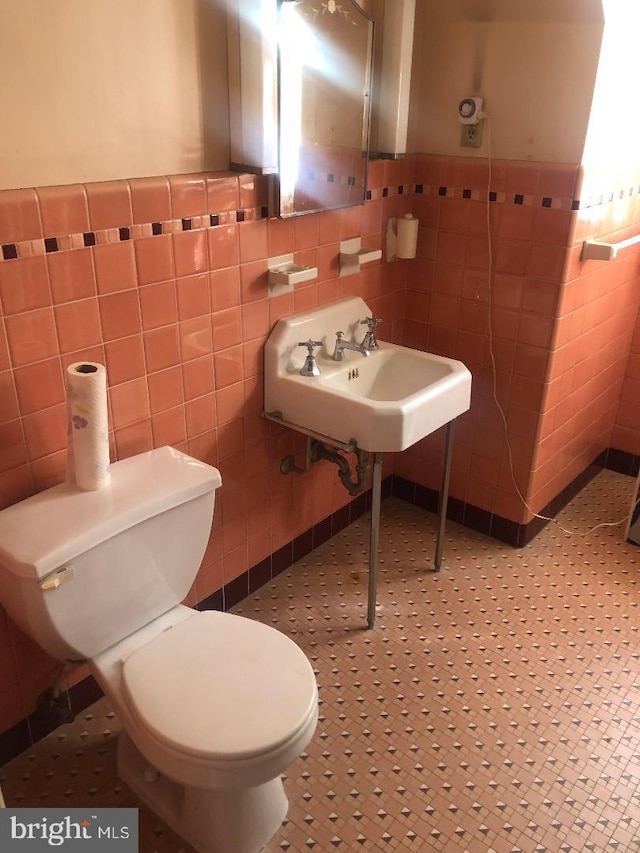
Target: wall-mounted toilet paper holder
point(401, 237)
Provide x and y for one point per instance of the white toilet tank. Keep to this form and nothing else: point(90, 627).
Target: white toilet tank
point(80, 571)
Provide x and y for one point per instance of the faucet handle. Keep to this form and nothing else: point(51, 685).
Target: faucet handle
point(371, 322)
point(310, 345)
point(339, 335)
point(310, 367)
point(369, 341)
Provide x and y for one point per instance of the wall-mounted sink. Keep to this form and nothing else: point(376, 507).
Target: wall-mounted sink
point(382, 401)
point(386, 401)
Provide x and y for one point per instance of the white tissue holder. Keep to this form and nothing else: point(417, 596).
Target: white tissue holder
point(399, 243)
point(353, 254)
point(284, 273)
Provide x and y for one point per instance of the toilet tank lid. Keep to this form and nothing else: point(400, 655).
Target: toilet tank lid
point(43, 532)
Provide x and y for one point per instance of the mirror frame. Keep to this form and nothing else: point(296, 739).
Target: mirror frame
point(285, 209)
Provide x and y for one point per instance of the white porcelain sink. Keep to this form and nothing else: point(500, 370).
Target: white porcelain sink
point(386, 401)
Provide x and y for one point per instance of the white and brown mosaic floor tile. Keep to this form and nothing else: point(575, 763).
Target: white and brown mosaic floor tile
point(493, 709)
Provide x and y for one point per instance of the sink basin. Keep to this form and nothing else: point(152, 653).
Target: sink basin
point(394, 374)
point(385, 402)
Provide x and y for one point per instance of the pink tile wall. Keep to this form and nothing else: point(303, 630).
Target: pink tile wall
point(558, 330)
point(164, 280)
point(590, 404)
point(179, 318)
point(453, 310)
point(621, 220)
point(626, 432)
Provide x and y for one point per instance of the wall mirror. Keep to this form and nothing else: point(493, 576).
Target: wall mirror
point(324, 75)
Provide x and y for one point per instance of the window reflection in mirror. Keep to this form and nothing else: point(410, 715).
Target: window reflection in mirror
point(325, 63)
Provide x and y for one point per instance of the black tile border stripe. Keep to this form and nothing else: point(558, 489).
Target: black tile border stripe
point(46, 245)
point(330, 178)
point(29, 248)
point(53, 243)
point(621, 461)
point(504, 529)
point(480, 194)
point(24, 734)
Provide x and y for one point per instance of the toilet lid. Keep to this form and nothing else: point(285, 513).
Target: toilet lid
point(221, 686)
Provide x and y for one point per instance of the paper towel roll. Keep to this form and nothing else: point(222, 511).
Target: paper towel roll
point(407, 239)
point(88, 426)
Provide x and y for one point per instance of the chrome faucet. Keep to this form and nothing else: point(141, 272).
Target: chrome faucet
point(342, 345)
point(310, 367)
point(369, 341)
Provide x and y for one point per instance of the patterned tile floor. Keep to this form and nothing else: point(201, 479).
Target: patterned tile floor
point(494, 708)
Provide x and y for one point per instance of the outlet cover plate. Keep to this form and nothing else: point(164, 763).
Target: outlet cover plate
point(471, 135)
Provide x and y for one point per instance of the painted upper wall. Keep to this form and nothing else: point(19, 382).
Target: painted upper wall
point(611, 157)
point(526, 11)
point(123, 88)
point(110, 89)
point(534, 63)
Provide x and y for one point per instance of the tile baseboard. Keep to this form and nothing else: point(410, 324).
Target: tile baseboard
point(503, 529)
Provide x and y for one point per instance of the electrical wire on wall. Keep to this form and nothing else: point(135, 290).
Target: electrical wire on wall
point(494, 371)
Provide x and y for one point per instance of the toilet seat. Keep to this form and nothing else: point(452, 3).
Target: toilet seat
point(221, 687)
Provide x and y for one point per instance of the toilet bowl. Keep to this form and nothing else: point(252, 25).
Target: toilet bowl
point(211, 734)
point(214, 707)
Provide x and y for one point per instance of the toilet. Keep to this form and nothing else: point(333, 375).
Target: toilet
point(214, 707)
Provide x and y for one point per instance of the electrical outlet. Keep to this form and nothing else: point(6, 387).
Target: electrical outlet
point(471, 135)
